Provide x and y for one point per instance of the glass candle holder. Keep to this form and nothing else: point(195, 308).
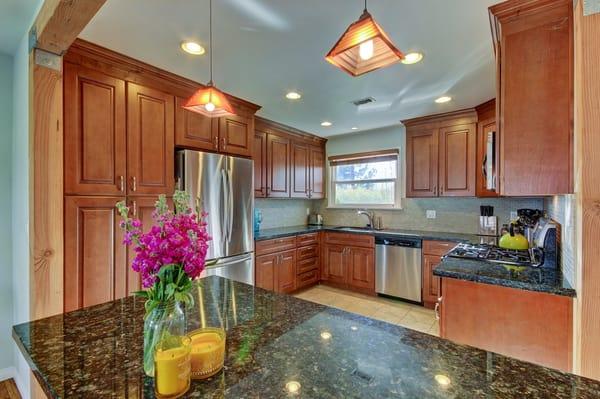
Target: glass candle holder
point(208, 352)
point(172, 365)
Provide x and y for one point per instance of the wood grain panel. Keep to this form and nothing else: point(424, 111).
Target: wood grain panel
point(95, 258)
point(278, 166)
point(431, 283)
point(316, 172)
point(421, 163)
point(484, 126)
point(307, 239)
point(350, 239)
point(285, 272)
point(193, 130)
point(527, 325)
point(260, 164)
point(306, 265)
point(308, 252)
point(275, 245)
point(95, 136)
point(334, 263)
point(300, 157)
point(150, 139)
point(361, 268)
point(236, 133)
point(265, 272)
point(434, 247)
point(457, 154)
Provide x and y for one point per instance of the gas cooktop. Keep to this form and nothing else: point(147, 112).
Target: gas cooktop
point(491, 253)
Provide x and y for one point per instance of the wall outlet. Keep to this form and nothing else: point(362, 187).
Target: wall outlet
point(431, 214)
point(513, 215)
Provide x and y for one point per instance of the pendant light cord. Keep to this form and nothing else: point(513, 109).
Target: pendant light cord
point(365, 5)
point(211, 40)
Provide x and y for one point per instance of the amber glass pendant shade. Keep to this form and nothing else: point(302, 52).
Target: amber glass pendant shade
point(363, 48)
point(210, 102)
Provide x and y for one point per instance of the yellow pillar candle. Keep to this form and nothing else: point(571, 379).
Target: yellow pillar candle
point(208, 352)
point(172, 369)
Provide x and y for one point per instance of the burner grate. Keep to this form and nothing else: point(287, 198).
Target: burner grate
point(494, 254)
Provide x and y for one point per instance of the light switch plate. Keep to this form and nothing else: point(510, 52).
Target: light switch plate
point(431, 214)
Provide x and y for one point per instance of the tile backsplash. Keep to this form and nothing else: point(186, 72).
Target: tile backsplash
point(282, 212)
point(452, 214)
point(562, 208)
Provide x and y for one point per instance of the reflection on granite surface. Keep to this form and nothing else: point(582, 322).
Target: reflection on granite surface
point(539, 279)
point(273, 339)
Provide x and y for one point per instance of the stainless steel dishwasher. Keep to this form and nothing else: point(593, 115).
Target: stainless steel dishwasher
point(398, 267)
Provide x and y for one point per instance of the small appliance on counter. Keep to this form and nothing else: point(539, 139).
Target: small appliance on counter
point(315, 219)
point(542, 254)
point(258, 218)
point(488, 223)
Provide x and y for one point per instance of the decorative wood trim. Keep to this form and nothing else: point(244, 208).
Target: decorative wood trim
point(270, 126)
point(519, 8)
point(487, 110)
point(362, 155)
point(461, 117)
point(121, 66)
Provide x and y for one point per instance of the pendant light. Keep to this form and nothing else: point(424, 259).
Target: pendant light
point(209, 101)
point(364, 47)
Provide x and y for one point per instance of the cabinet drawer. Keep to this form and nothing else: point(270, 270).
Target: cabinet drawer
point(307, 239)
point(275, 245)
point(306, 265)
point(438, 247)
point(355, 240)
point(308, 278)
point(307, 252)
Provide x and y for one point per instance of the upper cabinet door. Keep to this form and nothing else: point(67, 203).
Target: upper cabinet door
point(95, 258)
point(151, 149)
point(236, 135)
point(457, 161)
point(300, 170)
point(260, 164)
point(278, 166)
point(486, 147)
point(317, 167)
point(94, 132)
point(536, 98)
point(421, 163)
point(193, 130)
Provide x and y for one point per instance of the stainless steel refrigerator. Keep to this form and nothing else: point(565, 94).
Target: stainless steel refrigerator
point(222, 186)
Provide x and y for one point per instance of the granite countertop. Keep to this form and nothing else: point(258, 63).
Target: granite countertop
point(539, 279)
point(273, 339)
point(279, 232)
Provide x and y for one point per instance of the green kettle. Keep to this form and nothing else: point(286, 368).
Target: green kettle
point(512, 240)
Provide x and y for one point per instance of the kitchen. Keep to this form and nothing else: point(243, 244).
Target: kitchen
point(377, 214)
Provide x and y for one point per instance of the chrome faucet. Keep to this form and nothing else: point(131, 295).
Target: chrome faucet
point(369, 215)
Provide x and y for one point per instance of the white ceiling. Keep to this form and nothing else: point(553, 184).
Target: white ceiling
point(264, 48)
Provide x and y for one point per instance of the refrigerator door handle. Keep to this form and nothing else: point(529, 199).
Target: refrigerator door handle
point(230, 208)
point(231, 260)
point(224, 210)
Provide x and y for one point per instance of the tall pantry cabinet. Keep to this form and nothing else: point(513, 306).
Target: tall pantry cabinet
point(121, 122)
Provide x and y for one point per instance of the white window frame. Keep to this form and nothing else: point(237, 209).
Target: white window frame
point(398, 181)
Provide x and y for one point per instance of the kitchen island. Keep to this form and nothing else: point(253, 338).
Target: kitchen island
point(275, 339)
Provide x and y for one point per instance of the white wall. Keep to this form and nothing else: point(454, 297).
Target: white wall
point(6, 302)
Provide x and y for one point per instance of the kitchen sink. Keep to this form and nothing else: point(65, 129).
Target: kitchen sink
point(371, 230)
point(345, 228)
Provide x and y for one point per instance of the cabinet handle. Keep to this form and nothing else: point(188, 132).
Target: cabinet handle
point(134, 206)
point(133, 183)
point(437, 308)
point(216, 140)
point(223, 143)
point(434, 190)
point(121, 183)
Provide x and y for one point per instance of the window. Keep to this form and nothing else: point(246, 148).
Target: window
point(365, 180)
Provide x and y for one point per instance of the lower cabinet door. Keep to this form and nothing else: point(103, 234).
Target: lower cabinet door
point(431, 283)
point(285, 272)
point(95, 258)
point(334, 263)
point(361, 268)
point(265, 271)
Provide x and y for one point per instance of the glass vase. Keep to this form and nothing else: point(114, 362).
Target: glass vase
point(164, 321)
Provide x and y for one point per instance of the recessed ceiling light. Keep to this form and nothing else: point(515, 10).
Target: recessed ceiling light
point(292, 95)
point(412, 58)
point(326, 123)
point(354, 328)
point(443, 99)
point(192, 48)
point(354, 128)
point(442, 380)
point(326, 335)
point(293, 386)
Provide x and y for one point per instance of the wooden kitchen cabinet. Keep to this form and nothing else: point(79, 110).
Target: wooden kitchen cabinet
point(486, 125)
point(348, 261)
point(278, 166)
point(260, 164)
point(534, 57)
point(531, 326)
point(94, 132)
point(432, 256)
point(300, 157)
point(457, 154)
point(361, 268)
point(265, 271)
point(334, 263)
point(316, 172)
point(441, 155)
point(150, 141)
point(421, 163)
point(95, 258)
point(236, 134)
point(285, 272)
point(193, 130)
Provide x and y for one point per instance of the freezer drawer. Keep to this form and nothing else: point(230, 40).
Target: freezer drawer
point(239, 268)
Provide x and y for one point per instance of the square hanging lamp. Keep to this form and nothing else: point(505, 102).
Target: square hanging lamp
point(364, 47)
point(209, 101)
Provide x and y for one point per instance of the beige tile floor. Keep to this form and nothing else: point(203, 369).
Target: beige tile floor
point(389, 310)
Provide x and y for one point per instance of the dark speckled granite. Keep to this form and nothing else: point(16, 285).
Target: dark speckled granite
point(272, 339)
point(425, 235)
point(539, 279)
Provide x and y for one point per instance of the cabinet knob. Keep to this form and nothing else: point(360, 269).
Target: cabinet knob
point(437, 308)
point(133, 183)
point(121, 183)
